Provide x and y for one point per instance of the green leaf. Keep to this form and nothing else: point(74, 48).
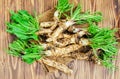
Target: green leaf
point(32, 53)
point(63, 6)
point(27, 51)
point(88, 18)
point(104, 39)
point(93, 29)
point(75, 15)
point(16, 47)
point(14, 53)
point(23, 25)
point(29, 61)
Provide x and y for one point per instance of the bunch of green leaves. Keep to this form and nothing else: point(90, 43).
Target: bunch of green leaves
point(63, 6)
point(74, 14)
point(17, 47)
point(86, 17)
point(103, 39)
point(23, 25)
point(29, 52)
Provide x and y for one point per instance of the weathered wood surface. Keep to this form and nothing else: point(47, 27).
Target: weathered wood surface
point(14, 68)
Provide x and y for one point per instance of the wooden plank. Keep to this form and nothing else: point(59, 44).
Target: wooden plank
point(14, 68)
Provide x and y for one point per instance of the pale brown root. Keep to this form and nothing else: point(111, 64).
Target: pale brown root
point(79, 55)
point(48, 45)
point(67, 41)
point(62, 51)
point(44, 66)
point(50, 69)
point(79, 34)
point(65, 50)
point(63, 36)
point(84, 42)
point(59, 30)
point(55, 34)
point(54, 26)
point(57, 65)
point(71, 39)
point(57, 20)
point(73, 29)
point(77, 28)
point(43, 31)
point(46, 24)
point(62, 60)
point(82, 33)
point(56, 15)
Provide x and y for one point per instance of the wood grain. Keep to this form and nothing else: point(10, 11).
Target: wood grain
point(14, 68)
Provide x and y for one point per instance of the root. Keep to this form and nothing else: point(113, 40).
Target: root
point(62, 51)
point(62, 27)
point(43, 31)
point(57, 65)
point(46, 24)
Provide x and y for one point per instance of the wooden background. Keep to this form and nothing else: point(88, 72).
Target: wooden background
point(14, 68)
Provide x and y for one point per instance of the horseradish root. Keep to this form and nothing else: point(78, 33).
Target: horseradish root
point(57, 65)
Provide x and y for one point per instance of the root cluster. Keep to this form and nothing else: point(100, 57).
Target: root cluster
point(64, 43)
